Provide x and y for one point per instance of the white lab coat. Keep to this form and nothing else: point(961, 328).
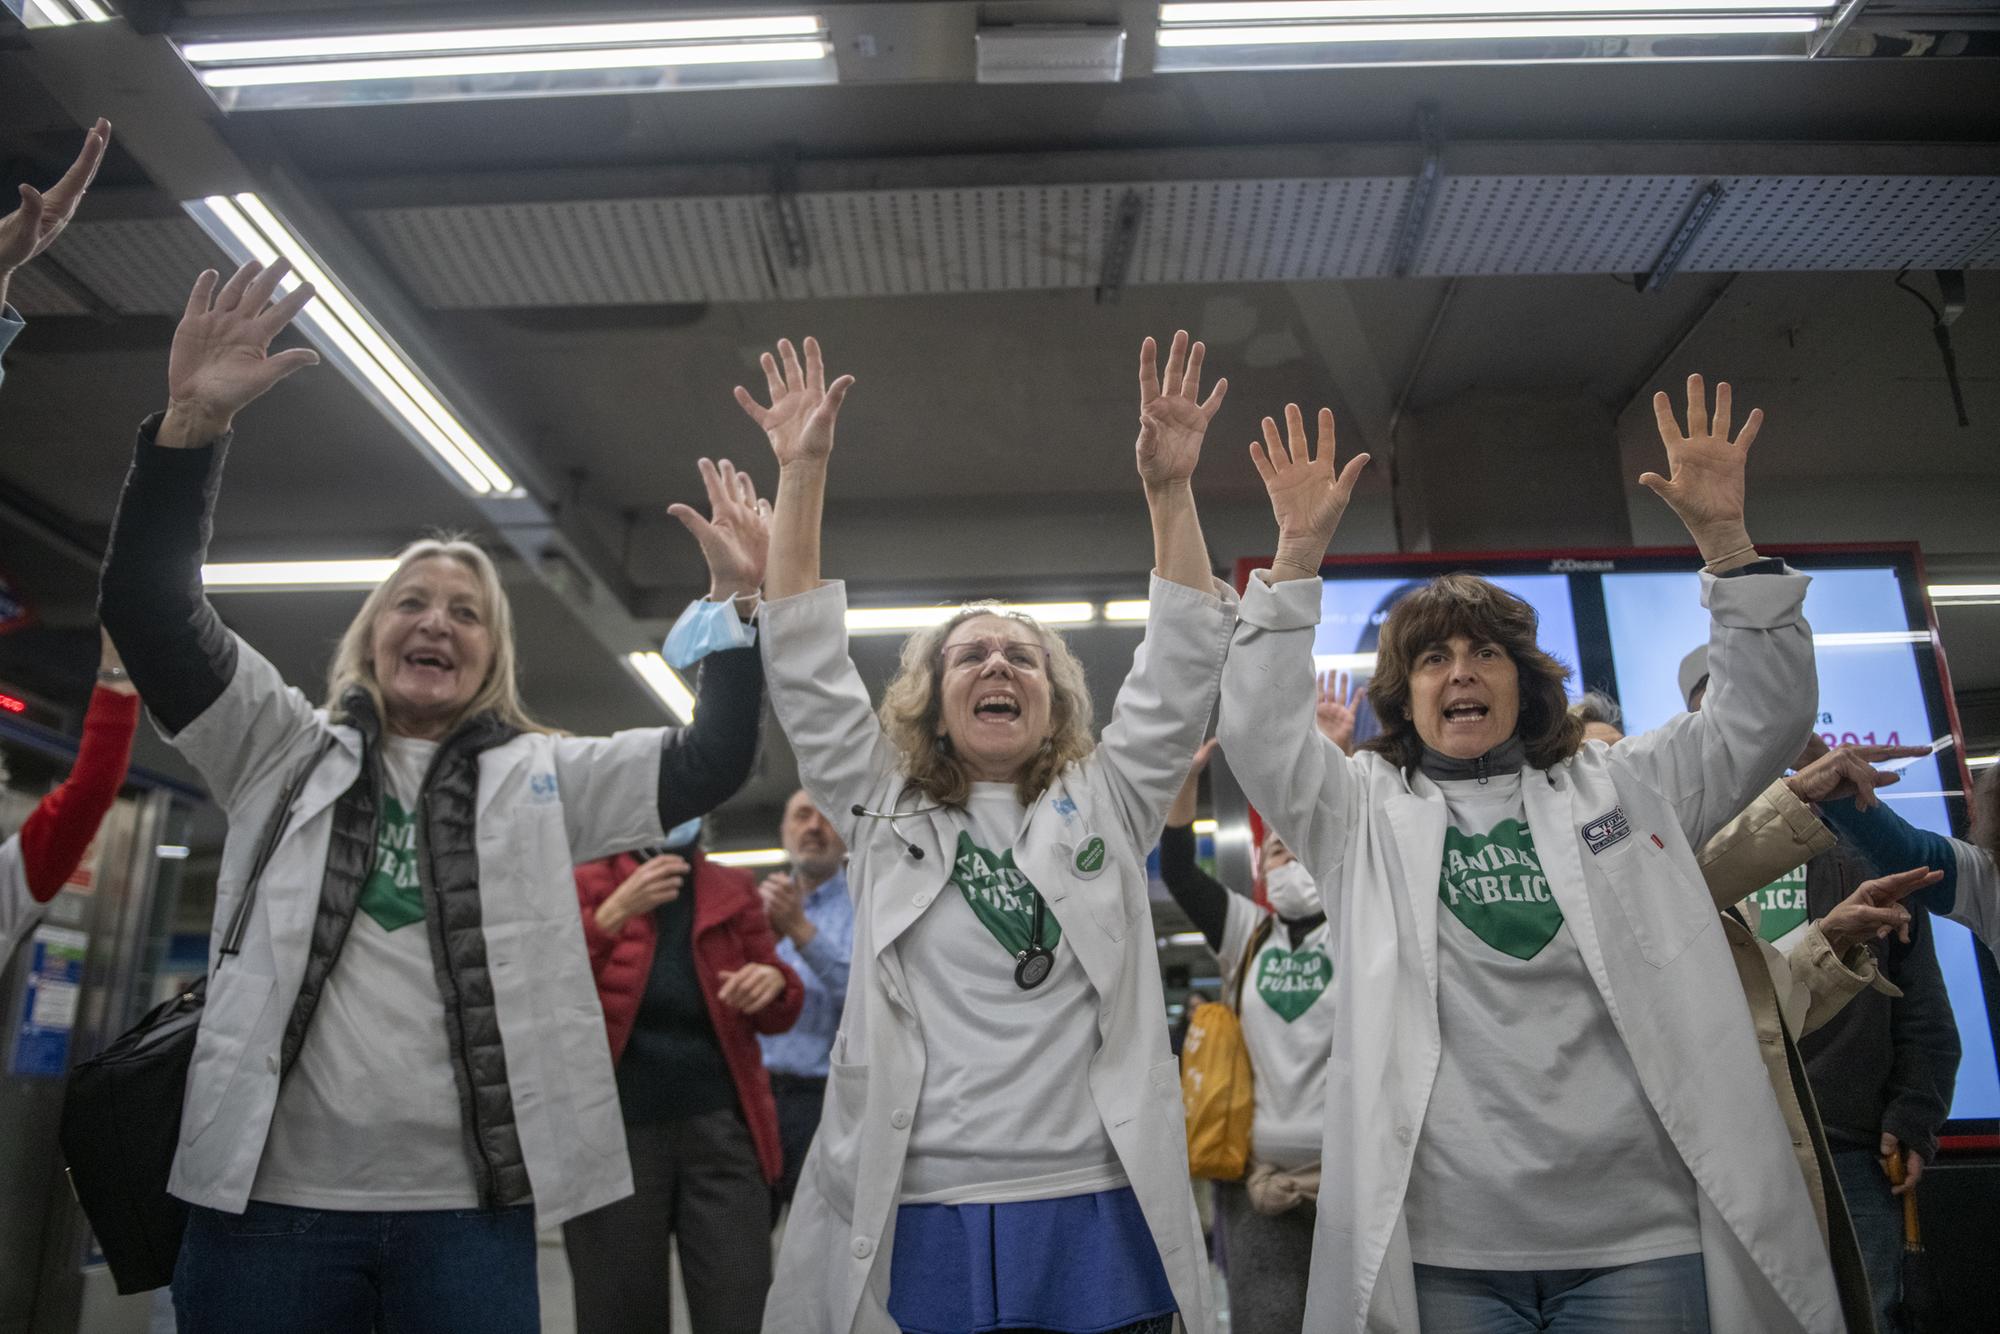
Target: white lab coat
point(18, 910)
point(1615, 829)
point(833, 1268)
point(545, 803)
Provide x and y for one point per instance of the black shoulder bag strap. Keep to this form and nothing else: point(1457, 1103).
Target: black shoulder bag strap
point(281, 816)
point(1255, 943)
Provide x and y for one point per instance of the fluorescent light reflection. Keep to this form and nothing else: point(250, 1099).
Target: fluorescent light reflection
point(1333, 34)
point(664, 682)
point(247, 229)
point(1871, 638)
point(901, 620)
point(521, 62)
point(1307, 10)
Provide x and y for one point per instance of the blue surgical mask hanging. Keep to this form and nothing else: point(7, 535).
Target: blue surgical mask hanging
point(704, 628)
point(684, 833)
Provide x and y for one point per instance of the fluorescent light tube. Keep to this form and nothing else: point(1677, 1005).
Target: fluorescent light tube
point(664, 682)
point(1183, 938)
point(509, 62)
point(263, 575)
point(1964, 592)
point(1308, 10)
point(500, 39)
point(171, 852)
point(247, 229)
point(1334, 34)
point(1981, 761)
point(1343, 662)
point(1127, 611)
point(901, 620)
point(1205, 827)
point(750, 857)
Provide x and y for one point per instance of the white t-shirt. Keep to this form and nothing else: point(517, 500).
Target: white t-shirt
point(368, 1117)
point(1539, 1148)
point(1287, 1020)
point(1005, 1113)
point(18, 908)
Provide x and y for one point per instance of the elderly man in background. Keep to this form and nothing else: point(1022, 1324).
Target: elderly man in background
point(813, 917)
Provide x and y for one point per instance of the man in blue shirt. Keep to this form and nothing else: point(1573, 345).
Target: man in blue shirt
point(814, 919)
point(34, 226)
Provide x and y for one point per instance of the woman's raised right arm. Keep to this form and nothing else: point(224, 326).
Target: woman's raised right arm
point(150, 600)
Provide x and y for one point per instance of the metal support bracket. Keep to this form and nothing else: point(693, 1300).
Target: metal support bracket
point(1843, 19)
point(1697, 217)
point(1119, 247)
point(1423, 192)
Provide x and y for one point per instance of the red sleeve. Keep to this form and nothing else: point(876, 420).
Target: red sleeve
point(753, 929)
point(58, 833)
point(595, 882)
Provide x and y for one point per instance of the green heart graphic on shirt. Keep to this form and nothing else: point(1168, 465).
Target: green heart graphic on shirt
point(1291, 980)
point(1001, 895)
point(1783, 904)
point(392, 894)
point(1493, 883)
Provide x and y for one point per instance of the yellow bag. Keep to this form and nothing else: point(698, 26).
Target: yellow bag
point(1216, 1088)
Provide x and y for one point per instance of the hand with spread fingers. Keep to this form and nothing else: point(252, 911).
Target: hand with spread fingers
point(1704, 485)
point(33, 227)
point(221, 360)
point(1307, 495)
point(655, 882)
point(1874, 909)
point(1173, 417)
point(735, 538)
point(804, 407)
point(1337, 708)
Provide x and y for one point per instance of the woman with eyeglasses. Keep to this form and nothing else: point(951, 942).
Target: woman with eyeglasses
point(1002, 1146)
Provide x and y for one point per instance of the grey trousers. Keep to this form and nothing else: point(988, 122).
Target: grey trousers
point(1269, 1258)
point(696, 1182)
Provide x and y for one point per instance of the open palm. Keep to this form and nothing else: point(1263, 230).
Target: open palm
point(736, 536)
point(221, 359)
point(1173, 418)
point(34, 226)
point(800, 419)
point(1704, 484)
point(1307, 495)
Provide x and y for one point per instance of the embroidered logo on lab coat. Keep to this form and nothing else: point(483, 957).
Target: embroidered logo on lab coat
point(1607, 830)
point(1493, 883)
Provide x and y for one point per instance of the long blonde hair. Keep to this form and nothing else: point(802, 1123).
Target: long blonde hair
point(912, 704)
point(499, 694)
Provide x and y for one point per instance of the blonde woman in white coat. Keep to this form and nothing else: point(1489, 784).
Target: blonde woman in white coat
point(1002, 1145)
point(1544, 1109)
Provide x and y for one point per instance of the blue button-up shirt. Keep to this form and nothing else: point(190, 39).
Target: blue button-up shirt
point(822, 966)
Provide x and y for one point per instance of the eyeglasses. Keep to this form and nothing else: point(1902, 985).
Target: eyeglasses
point(971, 655)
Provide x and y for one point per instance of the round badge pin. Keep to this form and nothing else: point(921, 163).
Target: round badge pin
point(1089, 859)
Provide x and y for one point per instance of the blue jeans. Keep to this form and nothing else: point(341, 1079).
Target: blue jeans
point(1667, 1296)
point(313, 1271)
point(1878, 1226)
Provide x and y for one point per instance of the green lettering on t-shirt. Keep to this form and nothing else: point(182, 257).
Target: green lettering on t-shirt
point(1782, 904)
point(1291, 980)
point(1493, 883)
point(393, 894)
point(1001, 895)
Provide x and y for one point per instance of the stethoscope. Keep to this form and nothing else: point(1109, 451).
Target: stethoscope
point(1033, 964)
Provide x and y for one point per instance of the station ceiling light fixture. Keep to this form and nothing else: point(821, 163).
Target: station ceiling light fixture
point(264, 576)
point(665, 683)
point(266, 72)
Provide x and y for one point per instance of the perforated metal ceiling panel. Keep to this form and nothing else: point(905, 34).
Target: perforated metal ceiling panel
point(1847, 222)
point(34, 292)
point(729, 248)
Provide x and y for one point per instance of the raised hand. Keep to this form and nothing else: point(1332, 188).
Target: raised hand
point(1704, 485)
point(1173, 417)
point(1850, 772)
point(34, 226)
point(221, 360)
point(1307, 495)
point(803, 407)
point(1336, 708)
point(736, 537)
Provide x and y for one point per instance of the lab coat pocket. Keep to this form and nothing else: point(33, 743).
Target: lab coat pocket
point(837, 1143)
point(1661, 908)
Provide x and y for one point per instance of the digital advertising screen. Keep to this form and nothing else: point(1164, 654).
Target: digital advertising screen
point(1624, 620)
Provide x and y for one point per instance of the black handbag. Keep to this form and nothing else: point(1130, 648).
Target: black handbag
point(121, 1116)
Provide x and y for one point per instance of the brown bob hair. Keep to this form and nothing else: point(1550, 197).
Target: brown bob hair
point(1464, 604)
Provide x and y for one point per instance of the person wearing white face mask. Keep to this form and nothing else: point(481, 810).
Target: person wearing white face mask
point(1287, 1024)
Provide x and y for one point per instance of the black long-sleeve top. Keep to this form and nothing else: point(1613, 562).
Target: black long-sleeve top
point(1204, 898)
point(181, 656)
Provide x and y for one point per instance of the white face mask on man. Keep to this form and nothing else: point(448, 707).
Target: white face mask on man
point(1291, 890)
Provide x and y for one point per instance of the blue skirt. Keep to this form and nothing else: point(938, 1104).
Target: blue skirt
point(1084, 1264)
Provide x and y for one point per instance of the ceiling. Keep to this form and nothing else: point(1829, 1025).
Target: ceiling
point(589, 276)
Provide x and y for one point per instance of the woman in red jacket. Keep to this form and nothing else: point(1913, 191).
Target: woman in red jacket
point(37, 861)
point(688, 972)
